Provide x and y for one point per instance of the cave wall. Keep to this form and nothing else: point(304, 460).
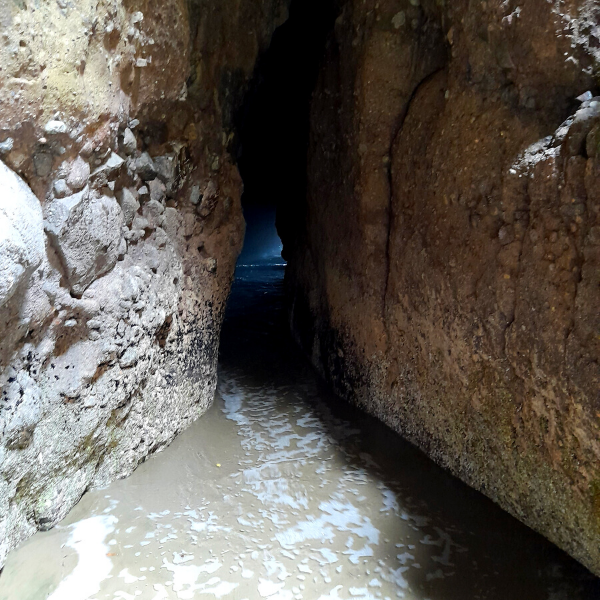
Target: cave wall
point(121, 223)
point(445, 273)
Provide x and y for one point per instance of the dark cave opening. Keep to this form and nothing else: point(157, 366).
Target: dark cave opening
point(272, 127)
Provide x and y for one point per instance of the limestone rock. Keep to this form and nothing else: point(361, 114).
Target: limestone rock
point(22, 241)
point(86, 230)
point(129, 143)
point(129, 205)
point(79, 174)
point(145, 167)
point(76, 394)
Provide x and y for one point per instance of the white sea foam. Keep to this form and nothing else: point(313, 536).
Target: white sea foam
point(93, 566)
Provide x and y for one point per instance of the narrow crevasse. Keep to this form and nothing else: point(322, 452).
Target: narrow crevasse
point(434, 170)
point(283, 491)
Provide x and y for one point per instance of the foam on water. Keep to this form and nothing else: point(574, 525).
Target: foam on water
point(273, 494)
point(93, 565)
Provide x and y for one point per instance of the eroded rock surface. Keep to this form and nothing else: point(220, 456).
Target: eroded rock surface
point(446, 273)
point(117, 254)
point(22, 236)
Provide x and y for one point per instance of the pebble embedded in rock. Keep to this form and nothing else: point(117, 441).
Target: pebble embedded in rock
point(129, 143)
point(195, 195)
point(61, 189)
point(129, 205)
point(144, 166)
point(158, 191)
point(6, 146)
point(79, 174)
point(42, 162)
point(55, 128)
point(165, 168)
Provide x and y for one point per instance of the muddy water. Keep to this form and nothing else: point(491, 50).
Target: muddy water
point(282, 492)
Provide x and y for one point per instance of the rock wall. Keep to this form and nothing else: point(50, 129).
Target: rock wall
point(445, 271)
point(121, 223)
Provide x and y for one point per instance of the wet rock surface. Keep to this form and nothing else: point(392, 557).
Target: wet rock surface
point(111, 306)
point(282, 491)
point(444, 273)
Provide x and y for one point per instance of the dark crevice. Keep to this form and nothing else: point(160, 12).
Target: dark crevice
point(272, 125)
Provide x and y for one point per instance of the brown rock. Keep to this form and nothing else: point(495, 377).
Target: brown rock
point(457, 297)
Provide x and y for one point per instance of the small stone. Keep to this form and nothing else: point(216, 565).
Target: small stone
point(129, 358)
point(61, 189)
point(113, 164)
point(158, 191)
point(122, 251)
point(144, 166)
point(399, 20)
point(129, 205)
point(129, 143)
point(108, 170)
point(42, 163)
point(506, 235)
point(211, 265)
point(79, 174)
point(6, 146)
point(121, 328)
point(152, 211)
point(141, 62)
point(585, 97)
point(165, 168)
point(55, 128)
point(143, 191)
point(195, 195)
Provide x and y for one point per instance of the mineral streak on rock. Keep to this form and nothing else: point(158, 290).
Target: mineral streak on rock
point(110, 315)
point(447, 275)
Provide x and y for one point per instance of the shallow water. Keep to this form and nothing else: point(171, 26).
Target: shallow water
point(283, 492)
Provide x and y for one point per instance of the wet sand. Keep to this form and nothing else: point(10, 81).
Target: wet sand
point(283, 492)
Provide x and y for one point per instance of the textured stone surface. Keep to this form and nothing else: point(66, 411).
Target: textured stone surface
point(21, 233)
point(113, 112)
point(446, 272)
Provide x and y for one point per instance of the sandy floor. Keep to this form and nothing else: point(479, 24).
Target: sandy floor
point(282, 492)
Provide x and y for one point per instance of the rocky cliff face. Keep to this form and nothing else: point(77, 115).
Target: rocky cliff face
point(446, 271)
point(121, 222)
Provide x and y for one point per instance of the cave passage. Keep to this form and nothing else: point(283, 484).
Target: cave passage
point(281, 490)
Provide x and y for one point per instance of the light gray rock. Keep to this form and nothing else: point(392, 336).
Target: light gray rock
point(22, 243)
point(79, 174)
point(195, 195)
point(86, 231)
point(55, 127)
point(61, 189)
point(158, 191)
point(129, 205)
point(153, 211)
point(107, 171)
point(6, 146)
point(129, 143)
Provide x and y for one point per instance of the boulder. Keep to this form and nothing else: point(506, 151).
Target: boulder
point(21, 232)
